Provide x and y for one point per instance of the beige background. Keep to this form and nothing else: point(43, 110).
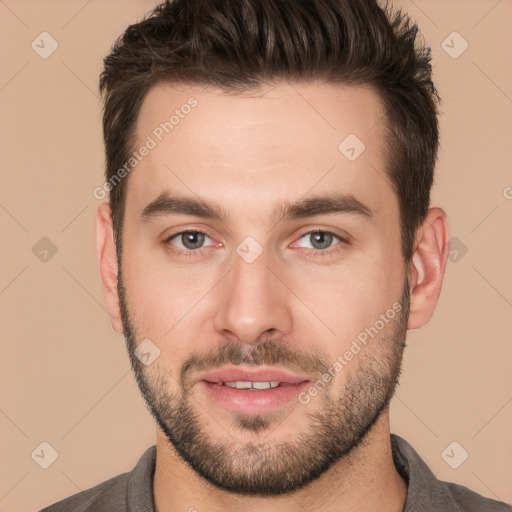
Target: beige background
point(65, 376)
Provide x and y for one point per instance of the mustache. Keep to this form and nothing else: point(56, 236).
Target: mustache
point(269, 352)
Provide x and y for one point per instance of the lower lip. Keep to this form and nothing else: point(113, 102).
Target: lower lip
point(253, 402)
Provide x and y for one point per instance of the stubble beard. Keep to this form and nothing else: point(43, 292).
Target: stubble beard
point(336, 426)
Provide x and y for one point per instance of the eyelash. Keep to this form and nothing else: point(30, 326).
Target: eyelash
point(312, 252)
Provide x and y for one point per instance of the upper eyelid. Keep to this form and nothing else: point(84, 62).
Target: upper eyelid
point(342, 239)
point(177, 234)
point(321, 230)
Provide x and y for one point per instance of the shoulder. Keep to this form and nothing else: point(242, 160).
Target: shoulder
point(132, 490)
point(426, 492)
point(469, 501)
point(109, 495)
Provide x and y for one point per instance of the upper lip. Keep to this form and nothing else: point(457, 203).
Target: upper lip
point(265, 374)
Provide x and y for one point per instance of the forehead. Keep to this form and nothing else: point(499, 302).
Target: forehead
point(248, 151)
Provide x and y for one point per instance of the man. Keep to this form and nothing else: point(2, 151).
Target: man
point(268, 242)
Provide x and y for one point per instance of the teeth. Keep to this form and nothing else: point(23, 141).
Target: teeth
point(243, 385)
point(251, 385)
point(261, 385)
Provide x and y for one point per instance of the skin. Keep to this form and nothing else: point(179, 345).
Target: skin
point(249, 153)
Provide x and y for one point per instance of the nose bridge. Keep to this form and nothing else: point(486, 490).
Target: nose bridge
point(254, 300)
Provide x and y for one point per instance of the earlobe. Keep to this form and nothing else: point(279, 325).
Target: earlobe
point(427, 267)
point(107, 263)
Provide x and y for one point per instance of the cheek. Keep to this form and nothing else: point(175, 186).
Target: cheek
point(166, 303)
point(339, 303)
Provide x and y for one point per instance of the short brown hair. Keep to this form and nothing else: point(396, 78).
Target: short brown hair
point(240, 45)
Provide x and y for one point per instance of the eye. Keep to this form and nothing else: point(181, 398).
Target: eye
point(188, 241)
point(321, 240)
point(191, 242)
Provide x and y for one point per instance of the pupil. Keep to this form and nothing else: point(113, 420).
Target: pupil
point(193, 240)
point(323, 239)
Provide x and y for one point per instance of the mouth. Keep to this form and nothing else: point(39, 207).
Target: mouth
point(252, 391)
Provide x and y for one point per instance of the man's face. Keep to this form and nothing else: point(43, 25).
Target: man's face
point(316, 300)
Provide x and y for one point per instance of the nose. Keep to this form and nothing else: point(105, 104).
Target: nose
point(254, 302)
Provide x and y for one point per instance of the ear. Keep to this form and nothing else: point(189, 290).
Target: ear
point(107, 262)
point(427, 267)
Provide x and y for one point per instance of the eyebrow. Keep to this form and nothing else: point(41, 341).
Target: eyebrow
point(339, 203)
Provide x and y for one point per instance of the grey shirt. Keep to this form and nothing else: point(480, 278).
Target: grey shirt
point(133, 491)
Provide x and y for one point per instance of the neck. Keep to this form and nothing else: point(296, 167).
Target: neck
point(367, 475)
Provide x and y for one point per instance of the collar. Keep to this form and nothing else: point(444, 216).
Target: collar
point(425, 491)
